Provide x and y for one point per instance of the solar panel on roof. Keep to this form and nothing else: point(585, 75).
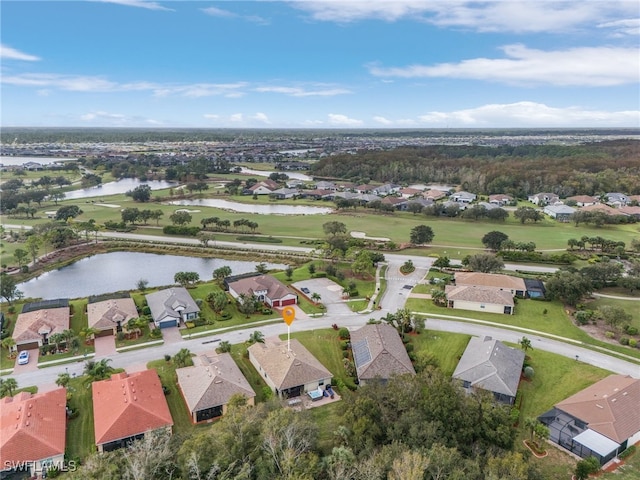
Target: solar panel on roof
point(361, 352)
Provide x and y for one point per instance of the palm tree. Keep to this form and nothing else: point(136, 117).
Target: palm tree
point(224, 347)
point(182, 358)
point(530, 425)
point(99, 370)
point(525, 343)
point(256, 337)
point(9, 343)
point(63, 380)
point(56, 339)
point(439, 297)
point(7, 387)
point(88, 333)
point(315, 296)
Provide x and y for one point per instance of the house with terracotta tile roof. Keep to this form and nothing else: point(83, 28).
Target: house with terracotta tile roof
point(289, 370)
point(379, 354)
point(434, 194)
point(602, 420)
point(584, 200)
point(266, 288)
point(33, 431)
point(110, 316)
point(34, 328)
point(601, 207)
point(210, 383)
point(171, 306)
point(479, 299)
point(514, 285)
point(500, 199)
point(489, 364)
point(126, 407)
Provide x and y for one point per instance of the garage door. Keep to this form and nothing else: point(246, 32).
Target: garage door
point(27, 346)
point(291, 301)
point(104, 333)
point(168, 323)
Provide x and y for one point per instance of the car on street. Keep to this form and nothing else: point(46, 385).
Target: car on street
point(23, 358)
point(305, 290)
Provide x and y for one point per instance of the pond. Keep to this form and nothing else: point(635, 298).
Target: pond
point(111, 272)
point(114, 188)
point(8, 160)
point(269, 209)
point(291, 175)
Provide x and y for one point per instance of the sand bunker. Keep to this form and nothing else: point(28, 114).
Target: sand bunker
point(364, 235)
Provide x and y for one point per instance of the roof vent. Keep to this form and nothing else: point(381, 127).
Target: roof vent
point(27, 424)
point(599, 406)
point(624, 393)
point(613, 400)
point(135, 399)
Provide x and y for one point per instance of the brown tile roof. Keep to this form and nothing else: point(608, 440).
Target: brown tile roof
point(610, 407)
point(30, 326)
point(470, 293)
point(275, 289)
point(379, 352)
point(493, 280)
point(599, 207)
point(213, 382)
point(105, 315)
point(584, 199)
point(288, 368)
point(434, 194)
point(628, 210)
point(32, 426)
point(129, 404)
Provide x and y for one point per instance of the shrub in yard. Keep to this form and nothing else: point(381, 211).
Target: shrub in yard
point(167, 357)
point(345, 354)
point(624, 340)
point(630, 330)
point(629, 451)
point(409, 347)
point(633, 342)
point(583, 317)
point(344, 334)
point(529, 372)
point(155, 333)
point(344, 345)
point(189, 324)
point(609, 334)
point(120, 336)
point(146, 310)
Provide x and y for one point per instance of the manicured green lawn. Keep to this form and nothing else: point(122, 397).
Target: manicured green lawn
point(241, 357)
point(80, 433)
point(630, 306)
point(328, 418)
point(446, 348)
point(528, 314)
point(325, 346)
point(629, 471)
point(181, 418)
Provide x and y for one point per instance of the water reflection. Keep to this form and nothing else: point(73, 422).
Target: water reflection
point(269, 209)
point(111, 272)
point(114, 188)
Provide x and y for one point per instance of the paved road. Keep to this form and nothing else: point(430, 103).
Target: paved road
point(617, 297)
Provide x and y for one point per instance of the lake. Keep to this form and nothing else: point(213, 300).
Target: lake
point(291, 175)
point(111, 272)
point(8, 160)
point(114, 188)
point(270, 209)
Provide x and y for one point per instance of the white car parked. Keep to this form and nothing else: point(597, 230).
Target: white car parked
point(23, 358)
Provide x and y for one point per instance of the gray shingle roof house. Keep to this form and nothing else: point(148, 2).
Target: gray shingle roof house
point(559, 212)
point(170, 306)
point(289, 373)
point(210, 383)
point(602, 420)
point(463, 197)
point(490, 365)
point(379, 353)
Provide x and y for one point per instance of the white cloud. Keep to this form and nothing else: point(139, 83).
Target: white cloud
point(490, 16)
point(198, 90)
point(220, 13)
point(100, 115)
point(530, 114)
point(382, 120)
point(583, 66)
point(139, 4)
point(301, 92)
point(261, 117)
point(621, 28)
point(343, 120)
point(63, 82)
point(211, 116)
point(8, 53)
point(236, 117)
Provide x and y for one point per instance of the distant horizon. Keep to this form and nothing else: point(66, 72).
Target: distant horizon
point(321, 64)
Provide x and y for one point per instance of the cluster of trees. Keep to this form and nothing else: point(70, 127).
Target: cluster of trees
point(186, 278)
point(496, 241)
point(597, 243)
point(142, 193)
point(413, 428)
point(598, 219)
point(519, 171)
point(223, 224)
point(135, 215)
point(338, 245)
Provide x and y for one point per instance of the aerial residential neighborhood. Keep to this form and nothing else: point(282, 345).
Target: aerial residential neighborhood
point(167, 330)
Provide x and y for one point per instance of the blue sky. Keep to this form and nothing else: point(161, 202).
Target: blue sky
point(320, 64)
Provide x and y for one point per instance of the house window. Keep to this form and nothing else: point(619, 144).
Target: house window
point(320, 383)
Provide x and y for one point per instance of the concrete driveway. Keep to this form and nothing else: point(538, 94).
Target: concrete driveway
point(32, 366)
point(105, 346)
point(330, 294)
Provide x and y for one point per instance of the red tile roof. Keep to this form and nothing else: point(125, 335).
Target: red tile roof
point(127, 405)
point(32, 426)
